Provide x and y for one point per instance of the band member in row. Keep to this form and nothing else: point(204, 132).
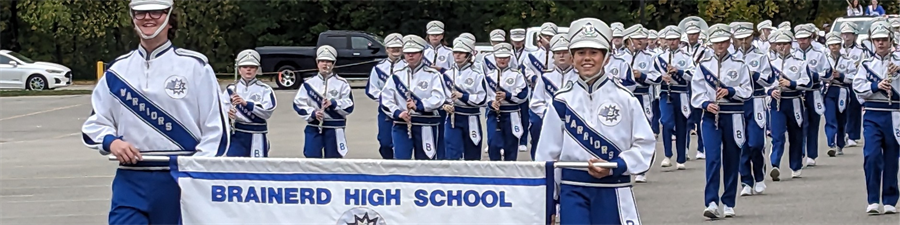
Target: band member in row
point(854, 108)
point(676, 70)
point(837, 92)
point(720, 89)
point(324, 102)
point(640, 73)
point(486, 62)
point(413, 96)
point(519, 59)
point(877, 82)
point(589, 120)
point(786, 109)
point(506, 91)
point(548, 84)
point(251, 103)
point(393, 44)
point(439, 57)
point(540, 63)
point(762, 41)
point(752, 164)
point(466, 96)
point(697, 51)
point(812, 97)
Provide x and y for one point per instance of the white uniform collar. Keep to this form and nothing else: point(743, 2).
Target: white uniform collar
point(878, 57)
point(324, 77)
point(417, 69)
point(248, 82)
point(463, 67)
point(563, 71)
point(600, 80)
point(156, 53)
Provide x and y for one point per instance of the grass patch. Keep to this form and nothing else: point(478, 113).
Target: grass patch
point(44, 92)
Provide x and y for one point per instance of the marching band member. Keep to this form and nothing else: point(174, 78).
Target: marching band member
point(654, 50)
point(854, 108)
point(393, 44)
point(697, 51)
point(675, 69)
point(640, 74)
point(413, 96)
point(507, 92)
point(487, 62)
point(876, 82)
point(324, 102)
point(618, 32)
point(466, 95)
point(548, 84)
point(439, 57)
point(155, 100)
point(538, 64)
point(517, 38)
point(596, 195)
point(762, 42)
point(786, 110)
point(752, 164)
point(812, 97)
point(721, 89)
point(249, 116)
point(841, 70)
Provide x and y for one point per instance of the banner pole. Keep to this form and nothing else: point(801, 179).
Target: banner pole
point(148, 158)
point(610, 165)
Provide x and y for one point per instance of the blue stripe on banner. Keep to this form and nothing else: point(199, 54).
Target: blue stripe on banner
point(319, 177)
point(150, 113)
point(318, 99)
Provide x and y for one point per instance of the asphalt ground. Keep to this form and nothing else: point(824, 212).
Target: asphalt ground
point(48, 177)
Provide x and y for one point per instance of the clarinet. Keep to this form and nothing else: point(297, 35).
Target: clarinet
point(498, 103)
point(324, 98)
point(232, 90)
point(890, 78)
point(453, 100)
point(669, 84)
point(780, 87)
point(408, 98)
point(718, 85)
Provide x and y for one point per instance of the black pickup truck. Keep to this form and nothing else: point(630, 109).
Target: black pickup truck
point(357, 51)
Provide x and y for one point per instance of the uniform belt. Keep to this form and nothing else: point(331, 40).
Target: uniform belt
point(421, 120)
point(467, 111)
point(258, 128)
point(642, 90)
point(675, 88)
point(148, 165)
point(882, 105)
point(509, 108)
point(836, 85)
point(731, 108)
point(580, 177)
point(759, 92)
point(791, 94)
point(329, 123)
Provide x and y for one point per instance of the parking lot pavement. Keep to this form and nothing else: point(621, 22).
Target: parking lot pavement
point(47, 176)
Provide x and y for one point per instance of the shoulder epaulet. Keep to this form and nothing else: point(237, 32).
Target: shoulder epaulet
point(120, 58)
point(623, 88)
point(566, 88)
point(431, 70)
point(704, 59)
point(189, 53)
point(340, 78)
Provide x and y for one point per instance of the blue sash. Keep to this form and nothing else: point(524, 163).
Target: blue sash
point(870, 75)
point(589, 139)
point(537, 64)
point(149, 112)
point(489, 64)
point(709, 77)
point(247, 111)
point(402, 90)
point(381, 74)
point(449, 83)
point(551, 89)
point(319, 99)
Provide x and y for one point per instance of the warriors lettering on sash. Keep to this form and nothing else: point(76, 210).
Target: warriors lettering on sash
point(324, 102)
point(251, 103)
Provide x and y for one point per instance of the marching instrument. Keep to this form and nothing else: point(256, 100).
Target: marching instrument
point(232, 90)
point(324, 99)
point(498, 103)
point(780, 87)
point(718, 86)
point(408, 99)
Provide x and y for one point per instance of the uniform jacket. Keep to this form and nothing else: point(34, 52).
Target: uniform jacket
point(379, 76)
point(260, 105)
point(512, 82)
point(729, 73)
point(426, 91)
point(443, 58)
point(318, 89)
point(869, 73)
point(468, 82)
point(547, 86)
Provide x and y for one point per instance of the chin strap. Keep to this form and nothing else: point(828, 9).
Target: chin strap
point(158, 30)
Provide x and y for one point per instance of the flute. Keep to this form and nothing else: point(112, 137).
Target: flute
point(718, 85)
point(408, 99)
point(780, 87)
point(232, 90)
point(669, 84)
point(324, 98)
point(452, 99)
point(498, 103)
point(890, 78)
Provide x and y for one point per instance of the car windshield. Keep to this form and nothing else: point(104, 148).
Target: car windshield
point(379, 39)
point(21, 57)
point(861, 25)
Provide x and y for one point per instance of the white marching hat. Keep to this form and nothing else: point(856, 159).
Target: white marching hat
point(785, 24)
point(413, 43)
point(589, 33)
point(781, 36)
point(498, 35)
point(435, 27)
point(765, 24)
point(719, 33)
point(618, 29)
point(559, 42)
point(652, 34)
point(833, 39)
point(802, 31)
point(895, 22)
point(636, 31)
point(549, 28)
point(327, 53)
point(393, 40)
point(150, 5)
point(742, 29)
point(517, 34)
point(879, 29)
point(849, 28)
point(671, 32)
point(247, 57)
point(502, 50)
point(462, 44)
point(467, 35)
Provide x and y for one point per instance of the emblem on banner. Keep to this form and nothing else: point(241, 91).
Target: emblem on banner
point(361, 216)
point(176, 87)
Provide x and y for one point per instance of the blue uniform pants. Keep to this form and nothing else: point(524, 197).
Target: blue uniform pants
point(385, 144)
point(654, 122)
point(441, 151)
point(321, 145)
point(880, 153)
point(854, 117)
point(785, 121)
point(145, 197)
point(242, 143)
point(811, 127)
point(752, 167)
point(580, 205)
point(458, 139)
point(405, 147)
point(835, 120)
point(525, 125)
point(502, 138)
point(535, 130)
point(674, 122)
point(722, 156)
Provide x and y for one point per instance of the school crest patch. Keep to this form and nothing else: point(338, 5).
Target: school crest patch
point(176, 86)
point(423, 85)
point(610, 114)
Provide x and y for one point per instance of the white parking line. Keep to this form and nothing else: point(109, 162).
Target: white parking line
point(45, 111)
point(59, 200)
point(54, 215)
point(51, 187)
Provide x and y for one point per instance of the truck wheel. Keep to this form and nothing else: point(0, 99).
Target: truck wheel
point(287, 78)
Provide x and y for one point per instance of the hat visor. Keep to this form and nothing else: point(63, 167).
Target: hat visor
point(848, 32)
point(587, 44)
point(435, 31)
point(326, 58)
point(718, 39)
point(563, 48)
point(741, 36)
point(548, 33)
point(833, 42)
point(149, 7)
point(692, 31)
point(412, 50)
point(502, 55)
point(782, 41)
point(458, 49)
point(802, 35)
point(766, 28)
point(398, 45)
point(673, 37)
point(515, 38)
point(879, 35)
point(248, 64)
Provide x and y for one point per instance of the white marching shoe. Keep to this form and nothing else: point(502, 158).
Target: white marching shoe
point(679, 166)
point(832, 152)
point(700, 155)
point(711, 211)
point(666, 162)
point(640, 179)
point(796, 174)
point(889, 209)
point(810, 162)
point(746, 191)
point(759, 187)
point(851, 143)
point(872, 209)
point(486, 149)
point(523, 148)
point(729, 212)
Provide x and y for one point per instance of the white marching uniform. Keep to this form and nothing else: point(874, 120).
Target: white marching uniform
point(642, 61)
point(463, 135)
point(423, 84)
point(250, 126)
point(377, 78)
point(813, 98)
point(507, 125)
point(442, 57)
point(538, 62)
point(837, 96)
point(752, 160)
point(675, 104)
point(325, 138)
point(787, 113)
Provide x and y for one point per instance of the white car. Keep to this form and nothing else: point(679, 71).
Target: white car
point(20, 72)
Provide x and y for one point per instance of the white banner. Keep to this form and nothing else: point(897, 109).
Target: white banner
point(381, 192)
